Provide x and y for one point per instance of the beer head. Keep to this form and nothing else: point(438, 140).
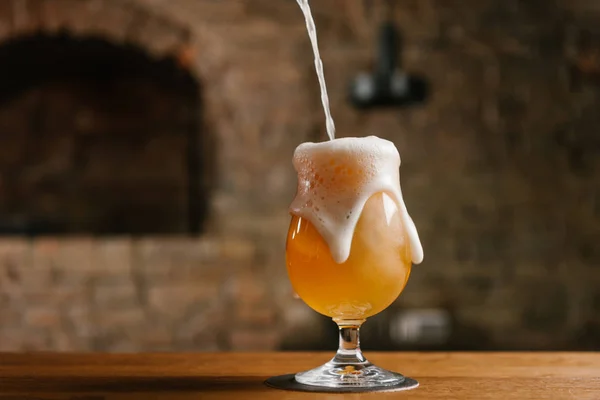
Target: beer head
point(337, 177)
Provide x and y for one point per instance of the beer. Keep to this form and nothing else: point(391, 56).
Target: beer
point(350, 247)
point(372, 277)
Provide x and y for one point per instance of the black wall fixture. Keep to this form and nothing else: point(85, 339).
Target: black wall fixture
point(388, 85)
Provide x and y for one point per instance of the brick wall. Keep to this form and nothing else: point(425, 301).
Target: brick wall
point(500, 173)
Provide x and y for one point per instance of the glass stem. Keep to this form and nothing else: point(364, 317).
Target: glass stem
point(349, 348)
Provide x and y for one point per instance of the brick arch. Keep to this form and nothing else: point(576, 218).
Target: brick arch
point(120, 21)
point(122, 30)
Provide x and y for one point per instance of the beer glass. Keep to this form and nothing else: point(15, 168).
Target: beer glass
point(368, 281)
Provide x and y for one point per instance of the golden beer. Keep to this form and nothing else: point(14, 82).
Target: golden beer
point(350, 248)
point(370, 279)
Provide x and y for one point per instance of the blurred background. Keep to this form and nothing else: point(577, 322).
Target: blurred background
point(145, 170)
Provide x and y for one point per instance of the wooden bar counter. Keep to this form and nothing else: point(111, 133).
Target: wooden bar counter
point(478, 376)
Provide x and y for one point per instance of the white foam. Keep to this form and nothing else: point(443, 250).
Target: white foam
point(370, 165)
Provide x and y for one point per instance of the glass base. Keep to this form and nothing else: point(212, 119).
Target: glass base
point(349, 370)
point(340, 375)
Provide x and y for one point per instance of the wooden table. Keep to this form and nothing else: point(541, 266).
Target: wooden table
point(240, 376)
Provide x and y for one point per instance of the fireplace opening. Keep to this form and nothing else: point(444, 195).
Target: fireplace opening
point(97, 138)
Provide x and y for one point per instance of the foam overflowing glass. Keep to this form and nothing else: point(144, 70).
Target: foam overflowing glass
point(350, 247)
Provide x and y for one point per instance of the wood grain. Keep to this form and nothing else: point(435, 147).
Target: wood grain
point(240, 375)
